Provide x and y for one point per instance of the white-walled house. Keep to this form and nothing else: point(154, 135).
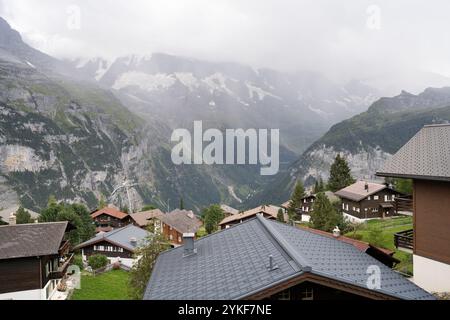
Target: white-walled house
point(118, 245)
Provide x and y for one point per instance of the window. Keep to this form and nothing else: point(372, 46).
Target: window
point(283, 295)
point(343, 206)
point(385, 198)
point(346, 207)
point(312, 200)
point(375, 210)
point(368, 198)
point(393, 197)
point(376, 197)
point(354, 209)
point(307, 294)
point(171, 237)
point(179, 239)
point(357, 209)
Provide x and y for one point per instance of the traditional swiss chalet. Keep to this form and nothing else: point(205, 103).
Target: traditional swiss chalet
point(33, 260)
point(109, 218)
point(363, 200)
point(426, 160)
point(174, 224)
point(118, 245)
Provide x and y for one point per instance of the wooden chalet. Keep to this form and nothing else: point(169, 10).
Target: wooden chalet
point(34, 258)
point(363, 200)
point(145, 218)
point(118, 245)
point(268, 211)
point(176, 223)
point(426, 160)
point(109, 218)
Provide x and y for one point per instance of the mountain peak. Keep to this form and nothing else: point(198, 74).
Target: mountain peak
point(8, 36)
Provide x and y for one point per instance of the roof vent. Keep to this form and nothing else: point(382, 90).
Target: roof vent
point(188, 243)
point(190, 214)
point(336, 232)
point(366, 187)
point(133, 241)
point(272, 266)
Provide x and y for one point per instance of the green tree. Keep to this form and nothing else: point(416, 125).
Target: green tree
point(296, 200)
point(181, 204)
point(98, 261)
point(212, 217)
point(142, 269)
point(404, 186)
point(340, 175)
point(23, 216)
point(319, 186)
point(76, 214)
point(148, 207)
point(280, 215)
point(325, 216)
point(101, 202)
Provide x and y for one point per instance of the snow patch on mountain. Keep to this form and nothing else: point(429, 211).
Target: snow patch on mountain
point(188, 80)
point(252, 90)
point(147, 82)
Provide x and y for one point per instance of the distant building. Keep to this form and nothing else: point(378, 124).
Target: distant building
point(268, 211)
point(426, 160)
point(174, 224)
point(108, 218)
point(266, 259)
point(33, 260)
point(9, 215)
point(228, 211)
point(362, 201)
point(307, 205)
point(118, 245)
point(145, 218)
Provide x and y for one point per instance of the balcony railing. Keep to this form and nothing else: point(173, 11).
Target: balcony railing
point(62, 269)
point(404, 240)
point(404, 204)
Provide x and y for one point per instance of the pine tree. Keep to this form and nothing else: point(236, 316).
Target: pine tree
point(319, 186)
point(325, 216)
point(101, 202)
point(212, 217)
point(280, 215)
point(181, 204)
point(340, 175)
point(23, 216)
point(296, 200)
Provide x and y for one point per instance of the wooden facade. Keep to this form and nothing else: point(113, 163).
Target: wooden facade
point(308, 286)
point(377, 205)
point(108, 249)
point(432, 219)
point(107, 221)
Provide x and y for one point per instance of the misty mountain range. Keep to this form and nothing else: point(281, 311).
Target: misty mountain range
point(80, 129)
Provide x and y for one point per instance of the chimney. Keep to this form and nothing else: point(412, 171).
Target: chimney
point(366, 186)
point(336, 232)
point(190, 214)
point(188, 242)
point(133, 241)
point(272, 266)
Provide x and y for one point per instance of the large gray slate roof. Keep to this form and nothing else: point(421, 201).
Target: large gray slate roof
point(121, 237)
point(233, 263)
point(30, 240)
point(425, 156)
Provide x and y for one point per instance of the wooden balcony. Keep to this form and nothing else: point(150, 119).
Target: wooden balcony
point(62, 269)
point(404, 204)
point(404, 240)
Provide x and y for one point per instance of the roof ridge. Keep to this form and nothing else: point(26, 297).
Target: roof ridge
point(285, 245)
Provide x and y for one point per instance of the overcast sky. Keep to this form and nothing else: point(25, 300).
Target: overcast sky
point(342, 39)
